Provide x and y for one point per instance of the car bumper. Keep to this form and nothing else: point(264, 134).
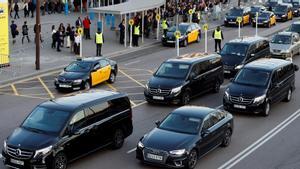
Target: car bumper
point(167, 99)
point(171, 42)
point(231, 23)
point(26, 164)
point(250, 108)
point(68, 86)
point(168, 161)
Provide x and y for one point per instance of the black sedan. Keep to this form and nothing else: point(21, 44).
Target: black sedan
point(87, 72)
point(184, 135)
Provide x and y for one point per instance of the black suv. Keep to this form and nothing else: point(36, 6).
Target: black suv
point(179, 79)
point(61, 130)
point(238, 52)
point(259, 84)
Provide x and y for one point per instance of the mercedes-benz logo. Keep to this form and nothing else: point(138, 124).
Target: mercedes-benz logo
point(18, 152)
point(159, 91)
point(241, 99)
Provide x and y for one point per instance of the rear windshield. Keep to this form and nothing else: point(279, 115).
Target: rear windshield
point(235, 49)
point(252, 77)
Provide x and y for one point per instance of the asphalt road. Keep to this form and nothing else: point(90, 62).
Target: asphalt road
point(15, 104)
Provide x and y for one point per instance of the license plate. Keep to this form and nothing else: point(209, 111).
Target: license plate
point(232, 22)
point(18, 162)
point(169, 41)
point(158, 98)
point(64, 86)
point(154, 157)
point(239, 106)
point(226, 71)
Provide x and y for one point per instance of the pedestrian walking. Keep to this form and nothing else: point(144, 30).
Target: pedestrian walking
point(77, 43)
point(99, 42)
point(14, 31)
point(72, 38)
point(58, 39)
point(43, 8)
point(122, 31)
point(68, 31)
point(26, 12)
point(16, 9)
point(62, 29)
point(53, 32)
point(78, 22)
point(218, 37)
point(86, 26)
point(25, 32)
point(31, 8)
point(136, 34)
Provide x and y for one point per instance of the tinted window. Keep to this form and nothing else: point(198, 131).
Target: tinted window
point(46, 120)
point(255, 9)
point(281, 39)
point(99, 108)
point(284, 72)
point(235, 12)
point(181, 123)
point(173, 70)
point(253, 77)
point(207, 124)
point(264, 15)
point(182, 28)
point(235, 49)
point(280, 9)
point(119, 105)
point(103, 63)
point(294, 28)
point(79, 66)
point(96, 66)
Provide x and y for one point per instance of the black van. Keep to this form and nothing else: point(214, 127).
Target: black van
point(238, 52)
point(259, 84)
point(179, 79)
point(61, 130)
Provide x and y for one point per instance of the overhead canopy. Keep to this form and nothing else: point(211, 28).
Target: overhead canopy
point(130, 6)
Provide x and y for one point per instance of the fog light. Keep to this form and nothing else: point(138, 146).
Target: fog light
point(178, 163)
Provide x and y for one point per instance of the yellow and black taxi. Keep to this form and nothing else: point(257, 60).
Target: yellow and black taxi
point(234, 13)
point(266, 19)
point(87, 72)
point(283, 12)
point(296, 6)
point(256, 9)
point(190, 32)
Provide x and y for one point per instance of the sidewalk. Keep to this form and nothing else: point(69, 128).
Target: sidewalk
point(22, 59)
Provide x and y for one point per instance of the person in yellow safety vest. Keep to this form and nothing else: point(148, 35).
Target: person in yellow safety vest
point(218, 37)
point(99, 39)
point(136, 34)
point(164, 26)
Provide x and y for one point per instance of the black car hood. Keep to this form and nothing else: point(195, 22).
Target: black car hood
point(71, 75)
point(246, 90)
point(170, 34)
point(30, 140)
point(165, 83)
point(232, 60)
point(167, 140)
point(231, 17)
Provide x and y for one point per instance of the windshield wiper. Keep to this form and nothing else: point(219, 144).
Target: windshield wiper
point(34, 129)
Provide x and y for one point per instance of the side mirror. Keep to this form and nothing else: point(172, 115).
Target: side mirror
point(157, 123)
point(296, 67)
point(71, 131)
point(204, 132)
point(231, 79)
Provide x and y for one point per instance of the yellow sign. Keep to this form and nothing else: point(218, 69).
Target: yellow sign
point(177, 34)
point(131, 22)
point(239, 19)
point(205, 27)
point(190, 11)
point(4, 37)
point(158, 17)
point(80, 31)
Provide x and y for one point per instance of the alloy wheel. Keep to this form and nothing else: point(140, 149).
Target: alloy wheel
point(60, 161)
point(193, 159)
point(227, 138)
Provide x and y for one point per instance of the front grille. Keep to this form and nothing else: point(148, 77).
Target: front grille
point(19, 153)
point(159, 92)
point(164, 155)
point(240, 100)
point(276, 50)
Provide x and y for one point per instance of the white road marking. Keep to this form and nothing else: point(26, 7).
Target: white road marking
point(132, 150)
point(0, 155)
point(219, 107)
point(246, 152)
point(130, 63)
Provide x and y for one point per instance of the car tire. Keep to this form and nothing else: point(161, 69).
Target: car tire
point(118, 139)
point(185, 98)
point(266, 110)
point(112, 78)
point(87, 85)
point(227, 138)
point(288, 96)
point(60, 161)
point(192, 159)
point(217, 86)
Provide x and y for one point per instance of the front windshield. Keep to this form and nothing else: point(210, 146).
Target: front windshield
point(46, 120)
point(252, 77)
point(294, 28)
point(181, 28)
point(173, 70)
point(236, 12)
point(273, 1)
point(181, 124)
point(79, 66)
point(287, 1)
point(255, 9)
point(264, 15)
point(235, 49)
point(281, 39)
point(280, 9)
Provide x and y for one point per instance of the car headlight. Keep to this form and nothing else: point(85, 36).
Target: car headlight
point(283, 16)
point(140, 145)
point(163, 36)
point(238, 67)
point(4, 146)
point(253, 20)
point(259, 99)
point(43, 151)
point(225, 19)
point(177, 152)
point(77, 81)
point(266, 21)
point(146, 87)
point(226, 94)
point(285, 51)
point(176, 90)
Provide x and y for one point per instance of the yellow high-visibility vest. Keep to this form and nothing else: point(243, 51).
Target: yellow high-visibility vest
point(136, 30)
point(218, 35)
point(99, 38)
point(164, 24)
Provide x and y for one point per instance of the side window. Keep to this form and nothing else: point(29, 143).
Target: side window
point(103, 63)
point(189, 29)
point(88, 112)
point(251, 50)
point(99, 108)
point(119, 105)
point(78, 120)
point(96, 66)
point(214, 63)
point(204, 66)
point(195, 71)
point(207, 124)
point(193, 27)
